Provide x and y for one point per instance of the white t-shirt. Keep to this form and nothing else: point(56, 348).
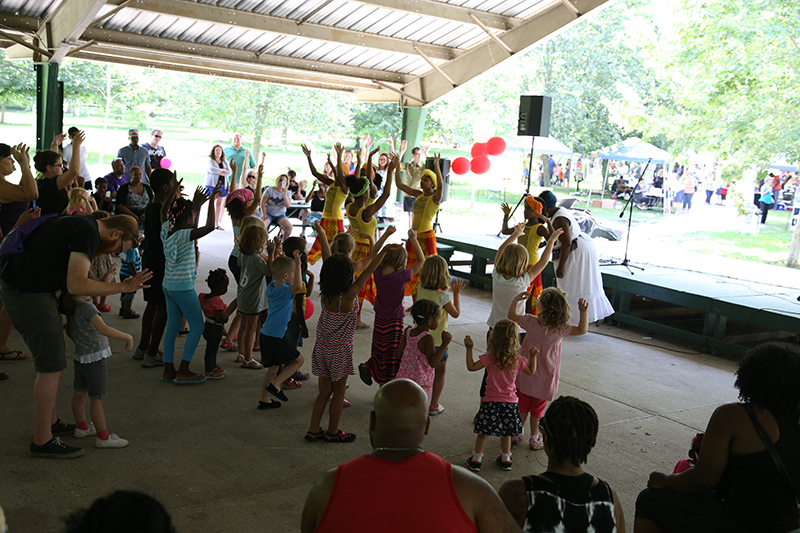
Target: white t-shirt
point(84, 171)
point(503, 292)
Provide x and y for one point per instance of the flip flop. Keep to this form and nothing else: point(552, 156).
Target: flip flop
point(194, 380)
point(167, 380)
point(17, 356)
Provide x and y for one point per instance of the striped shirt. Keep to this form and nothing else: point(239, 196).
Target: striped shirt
point(181, 261)
point(131, 263)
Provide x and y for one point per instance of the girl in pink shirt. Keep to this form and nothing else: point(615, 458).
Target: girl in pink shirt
point(417, 353)
point(499, 412)
point(544, 331)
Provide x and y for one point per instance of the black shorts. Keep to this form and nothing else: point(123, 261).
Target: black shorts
point(233, 266)
point(275, 351)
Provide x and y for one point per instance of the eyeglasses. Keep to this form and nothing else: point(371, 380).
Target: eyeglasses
point(157, 136)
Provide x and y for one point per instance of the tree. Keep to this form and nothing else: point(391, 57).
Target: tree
point(17, 84)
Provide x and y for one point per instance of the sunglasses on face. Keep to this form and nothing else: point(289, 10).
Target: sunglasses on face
point(157, 136)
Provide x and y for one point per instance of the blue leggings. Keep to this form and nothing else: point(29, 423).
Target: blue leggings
point(182, 304)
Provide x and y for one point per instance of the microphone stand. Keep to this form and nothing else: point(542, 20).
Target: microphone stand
point(629, 207)
point(528, 186)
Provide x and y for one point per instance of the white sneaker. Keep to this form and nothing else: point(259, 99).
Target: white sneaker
point(113, 441)
point(80, 433)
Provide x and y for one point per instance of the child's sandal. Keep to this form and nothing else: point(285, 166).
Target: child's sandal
point(252, 364)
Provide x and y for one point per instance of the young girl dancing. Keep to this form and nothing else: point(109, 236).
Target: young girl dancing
point(425, 207)
point(498, 415)
point(434, 281)
point(417, 353)
point(332, 220)
point(90, 335)
point(178, 233)
point(390, 280)
point(332, 358)
point(537, 227)
point(544, 331)
point(256, 254)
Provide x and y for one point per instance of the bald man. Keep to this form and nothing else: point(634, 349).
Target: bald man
point(399, 486)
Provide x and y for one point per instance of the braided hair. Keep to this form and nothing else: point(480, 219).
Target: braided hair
point(180, 208)
point(570, 426)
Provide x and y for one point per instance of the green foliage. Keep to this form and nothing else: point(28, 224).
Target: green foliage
point(17, 82)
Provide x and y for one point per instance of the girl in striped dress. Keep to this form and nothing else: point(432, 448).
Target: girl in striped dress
point(425, 207)
point(178, 234)
point(332, 358)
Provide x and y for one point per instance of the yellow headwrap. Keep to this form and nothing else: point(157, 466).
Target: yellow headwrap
point(534, 204)
point(431, 175)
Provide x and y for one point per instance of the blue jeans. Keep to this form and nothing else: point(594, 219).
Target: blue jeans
point(182, 304)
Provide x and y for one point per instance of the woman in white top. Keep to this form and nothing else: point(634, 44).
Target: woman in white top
point(217, 171)
point(274, 202)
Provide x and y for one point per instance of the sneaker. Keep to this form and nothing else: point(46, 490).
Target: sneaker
point(516, 440)
point(55, 449)
point(313, 437)
point(505, 465)
point(130, 314)
point(339, 436)
point(300, 376)
point(139, 354)
point(113, 441)
point(256, 347)
point(475, 466)
point(433, 411)
point(152, 361)
point(80, 433)
point(62, 427)
point(363, 373)
point(536, 442)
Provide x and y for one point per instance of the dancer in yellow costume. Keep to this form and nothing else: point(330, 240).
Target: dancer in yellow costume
point(361, 214)
point(537, 230)
point(332, 219)
point(425, 207)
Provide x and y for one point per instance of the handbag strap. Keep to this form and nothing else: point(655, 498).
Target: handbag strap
point(773, 453)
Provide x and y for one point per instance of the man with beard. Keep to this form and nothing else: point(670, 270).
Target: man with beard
point(392, 488)
point(134, 155)
point(56, 256)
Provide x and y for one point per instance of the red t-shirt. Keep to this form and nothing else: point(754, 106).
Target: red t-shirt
point(372, 494)
point(210, 306)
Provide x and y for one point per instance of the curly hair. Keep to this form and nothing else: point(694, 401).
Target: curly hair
point(554, 310)
point(434, 274)
point(395, 257)
point(503, 345)
point(124, 512)
point(253, 239)
point(570, 427)
point(216, 277)
point(335, 276)
point(343, 243)
point(769, 377)
point(424, 310)
point(236, 209)
point(513, 262)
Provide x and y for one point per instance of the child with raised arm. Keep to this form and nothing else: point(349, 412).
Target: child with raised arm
point(544, 331)
point(275, 349)
point(90, 335)
point(498, 415)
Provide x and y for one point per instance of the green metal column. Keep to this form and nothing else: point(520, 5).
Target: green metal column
point(49, 104)
point(413, 125)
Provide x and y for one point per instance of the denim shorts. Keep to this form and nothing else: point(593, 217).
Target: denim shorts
point(91, 378)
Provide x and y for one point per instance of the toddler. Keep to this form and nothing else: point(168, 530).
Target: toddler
point(131, 264)
point(216, 314)
point(417, 353)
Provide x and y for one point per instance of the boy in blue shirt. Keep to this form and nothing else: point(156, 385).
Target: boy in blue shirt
point(275, 350)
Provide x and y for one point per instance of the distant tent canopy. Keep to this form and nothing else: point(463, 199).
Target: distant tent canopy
point(543, 145)
point(780, 163)
point(637, 151)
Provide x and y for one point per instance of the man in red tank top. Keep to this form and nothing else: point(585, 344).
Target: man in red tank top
point(392, 489)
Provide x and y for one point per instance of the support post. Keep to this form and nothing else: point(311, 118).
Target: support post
point(49, 104)
point(413, 126)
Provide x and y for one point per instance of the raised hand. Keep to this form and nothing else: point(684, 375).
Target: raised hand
point(297, 254)
point(555, 235)
point(519, 229)
point(458, 285)
point(20, 153)
point(468, 342)
point(200, 196)
point(59, 138)
point(390, 230)
point(217, 191)
point(506, 209)
point(338, 148)
point(305, 149)
point(412, 234)
point(318, 229)
point(534, 351)
point(583, 305)
point(78, 139)
point(235, 167)
point(436, 158)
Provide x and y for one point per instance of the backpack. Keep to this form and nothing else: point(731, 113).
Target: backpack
point(14, 242)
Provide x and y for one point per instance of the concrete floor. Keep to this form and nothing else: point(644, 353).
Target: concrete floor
point(218, 464)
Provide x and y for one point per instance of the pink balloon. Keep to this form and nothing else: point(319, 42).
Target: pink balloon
point(309, 308)
point(166, 163)
point(495, 146)
point(478, 149)
point(480, 164)
point(460, 165)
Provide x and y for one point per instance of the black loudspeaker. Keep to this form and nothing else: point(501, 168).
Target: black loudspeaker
point(534, 116)
point(444, 166)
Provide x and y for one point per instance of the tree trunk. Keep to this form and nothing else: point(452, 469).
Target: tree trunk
point(284, 137)
point(3, 112)
point(794, 247)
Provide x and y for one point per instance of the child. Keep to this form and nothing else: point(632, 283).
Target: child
point(434, 281)
point(297, 330)
point(80, 203)
point(498, 415)
point(100, 265)
point(102, 200)
point(90, 335)
point(417, 352)
point(332, 358)
point(216, 313)
point(390, 281)
point(178, 233)
point(694, 453)
point(535, 230)
point(251, 296)
point(544, 331)
point(130, 266)
point(275, 349)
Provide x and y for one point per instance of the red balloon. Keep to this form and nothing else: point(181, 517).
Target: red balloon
point(460, 165)
point(481, 164)
point(495, 146)
point(309, 308)
point(478, 149)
